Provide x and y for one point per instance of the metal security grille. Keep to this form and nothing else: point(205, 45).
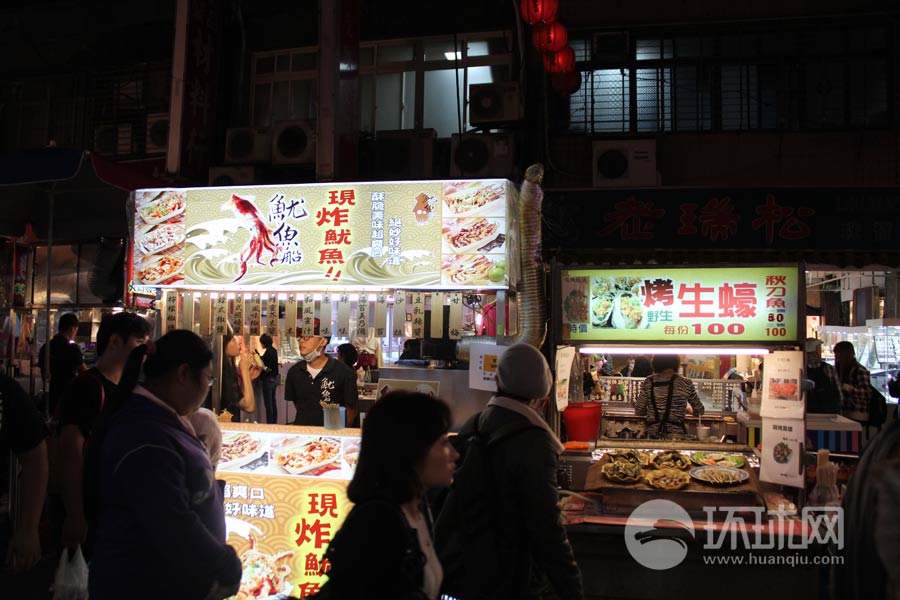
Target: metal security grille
point(813, 79)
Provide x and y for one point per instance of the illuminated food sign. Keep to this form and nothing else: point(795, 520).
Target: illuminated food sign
point(285, 498)
point(426, 234)
point(681, 305)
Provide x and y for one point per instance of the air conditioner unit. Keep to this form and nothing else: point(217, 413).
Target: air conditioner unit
point(232, 175)
point(114, 140)
point(404, 154)
point(624, 163)
point(481, 155)
point(494, 103)
point(245, 145)
point(294, 143)
point(157, 140)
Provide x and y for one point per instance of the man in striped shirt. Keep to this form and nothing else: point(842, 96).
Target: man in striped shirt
point(856, 385)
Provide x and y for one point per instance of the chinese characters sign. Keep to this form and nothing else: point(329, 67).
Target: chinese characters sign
point(427, 234)
point(681, 305)
point(797, 218)
point(282, 509)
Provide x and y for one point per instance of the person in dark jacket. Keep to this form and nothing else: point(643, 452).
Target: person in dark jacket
point(160, 521)
point(528, 520)
point(319, 378)
point(384, 548)
point(269, 377)
point(871, 529)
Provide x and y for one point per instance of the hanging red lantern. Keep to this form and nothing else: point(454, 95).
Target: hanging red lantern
point(560, 62)
point(551, 37)
point(539, 11)
point(566, 83)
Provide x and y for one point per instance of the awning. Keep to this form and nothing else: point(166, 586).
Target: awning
point(90, 194)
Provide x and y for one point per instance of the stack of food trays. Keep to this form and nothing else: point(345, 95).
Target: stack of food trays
point(673, 470)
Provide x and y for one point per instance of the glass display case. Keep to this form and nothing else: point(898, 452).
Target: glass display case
point(877, 348)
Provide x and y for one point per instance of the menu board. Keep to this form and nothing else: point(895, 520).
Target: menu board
point(681, 304)
point(782, 394)
point(423, 234)
point(285, 498)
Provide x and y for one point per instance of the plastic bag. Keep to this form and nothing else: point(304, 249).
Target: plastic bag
point(71, 581)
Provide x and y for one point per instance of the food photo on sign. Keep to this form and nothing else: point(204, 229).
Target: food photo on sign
point(159, 236)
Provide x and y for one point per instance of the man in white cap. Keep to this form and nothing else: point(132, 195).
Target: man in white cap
point(825, 395)
point(521, 456)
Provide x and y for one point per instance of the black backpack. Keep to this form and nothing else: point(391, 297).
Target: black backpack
point(877, 408)
point(465, 535)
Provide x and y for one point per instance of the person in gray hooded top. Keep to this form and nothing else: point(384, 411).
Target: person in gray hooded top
point(527, 519)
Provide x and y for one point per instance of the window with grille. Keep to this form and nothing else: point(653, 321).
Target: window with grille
point(818, 79)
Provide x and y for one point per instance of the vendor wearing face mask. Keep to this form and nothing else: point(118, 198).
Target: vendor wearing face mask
point(319, 378)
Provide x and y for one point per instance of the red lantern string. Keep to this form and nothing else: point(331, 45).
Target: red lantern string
point(551, 37)
point(539, 11)
point(566, 83)
point(560, 62)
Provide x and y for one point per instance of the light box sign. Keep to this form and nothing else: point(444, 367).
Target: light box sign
point(285, 498)
point(423, 234)
point(681, 305)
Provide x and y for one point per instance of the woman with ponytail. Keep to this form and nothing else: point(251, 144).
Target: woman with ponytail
point(160, 524)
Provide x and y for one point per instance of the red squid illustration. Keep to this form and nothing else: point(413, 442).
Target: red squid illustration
point(260, 235)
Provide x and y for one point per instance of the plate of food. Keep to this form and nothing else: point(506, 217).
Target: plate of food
point(621, 471)
point(468, 269)
point(161, 238)
point(667, 479)
point(670, 459)
point(475, 198)
point(158, 269)
point(601, 309)
point(785, 389)
point(163, 207)
point(468, 235)
point(718, 459)
point(719, 475)
point(264, 575)
point(351, 453)
point(303, 455)
point(782, 453)
point(239, 449)
point(628, 312)
point(630, 456)
point(575, 307)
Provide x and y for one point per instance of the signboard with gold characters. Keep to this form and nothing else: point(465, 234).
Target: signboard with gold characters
point(423, 234)
point(285, 498)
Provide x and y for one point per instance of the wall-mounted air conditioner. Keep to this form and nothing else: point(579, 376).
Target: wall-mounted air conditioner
point(245, 145)
point(404, 154)
point(624, 163)
point(157, 140)
point(476, 155)
point(232, 175)
point(114, 140)
point(495, 103)
point(294, 142)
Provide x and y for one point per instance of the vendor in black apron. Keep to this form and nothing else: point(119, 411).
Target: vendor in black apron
point(664, 398)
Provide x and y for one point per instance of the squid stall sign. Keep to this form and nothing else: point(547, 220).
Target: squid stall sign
point(423, 234)
point(285, 498)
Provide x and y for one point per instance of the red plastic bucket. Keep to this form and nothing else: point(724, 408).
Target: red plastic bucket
point(582, 421)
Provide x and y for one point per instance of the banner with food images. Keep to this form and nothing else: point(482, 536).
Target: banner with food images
point(285, 499)
point(681, 304)
point(426, 234)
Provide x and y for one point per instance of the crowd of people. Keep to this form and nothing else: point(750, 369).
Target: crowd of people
point(131, 457)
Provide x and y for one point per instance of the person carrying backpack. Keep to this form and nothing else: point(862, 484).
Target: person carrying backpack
point(856, 383)
point(500, 533)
